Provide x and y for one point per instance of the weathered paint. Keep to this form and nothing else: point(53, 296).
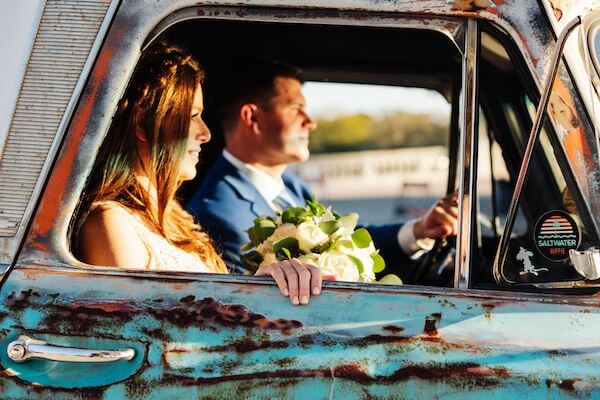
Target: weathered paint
point(579, 143)
point(472, 5)
point(575, 132)
point(371, 344)
point(570, 8)
point(59, 184)
point(572, 133)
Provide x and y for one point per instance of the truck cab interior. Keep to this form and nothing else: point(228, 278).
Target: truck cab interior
point(428, 54)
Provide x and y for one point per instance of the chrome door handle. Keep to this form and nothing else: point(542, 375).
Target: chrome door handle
point(25, 348)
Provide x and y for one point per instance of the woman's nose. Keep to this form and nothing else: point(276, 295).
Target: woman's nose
point(203, 135)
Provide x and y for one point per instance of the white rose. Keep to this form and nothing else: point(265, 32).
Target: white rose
point(347, 247)
point(309, 236)
point(328, 215)
point(347, 224)
point(338, 264)
point(371, 249)
point(365, 257)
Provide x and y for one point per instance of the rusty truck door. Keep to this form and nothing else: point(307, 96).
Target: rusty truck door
point(210, 336)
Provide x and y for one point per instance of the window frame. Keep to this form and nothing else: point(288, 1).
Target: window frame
point(127, 58)
point(550, 125)
point(47, 243)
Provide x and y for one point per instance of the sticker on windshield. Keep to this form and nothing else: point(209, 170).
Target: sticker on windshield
point(524, 256)
point(555, 234)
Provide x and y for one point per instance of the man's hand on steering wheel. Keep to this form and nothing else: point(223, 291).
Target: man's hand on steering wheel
point(440, 221)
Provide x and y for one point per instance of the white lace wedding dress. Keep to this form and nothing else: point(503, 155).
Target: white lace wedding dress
point(163, 256)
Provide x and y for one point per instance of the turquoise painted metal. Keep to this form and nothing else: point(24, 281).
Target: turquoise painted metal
point(231, 340)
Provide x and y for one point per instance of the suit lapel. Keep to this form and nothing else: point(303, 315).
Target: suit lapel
point(244, 188)
point(294, 188)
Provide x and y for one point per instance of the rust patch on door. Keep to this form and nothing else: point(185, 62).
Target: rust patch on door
point(564, 384)
point(393, 329)
point(457, 373)
point(557, 9)
point(190, 311)
point(563, 112)
point(431, 321)
point(471, 5)
point(82, 315)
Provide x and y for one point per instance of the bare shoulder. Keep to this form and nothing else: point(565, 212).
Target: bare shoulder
point(108, 237)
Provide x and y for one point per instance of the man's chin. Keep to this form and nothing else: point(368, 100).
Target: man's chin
point(301, 157)
point(293, 156)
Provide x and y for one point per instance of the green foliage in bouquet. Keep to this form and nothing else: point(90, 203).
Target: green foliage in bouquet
point(286, 248)
point(317, 235)
point(294, 215)
point(262, 229)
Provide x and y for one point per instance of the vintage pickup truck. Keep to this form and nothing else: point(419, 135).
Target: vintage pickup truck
point(508, 309)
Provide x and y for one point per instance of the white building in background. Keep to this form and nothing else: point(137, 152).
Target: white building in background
point(406, 172)
point(418, 171)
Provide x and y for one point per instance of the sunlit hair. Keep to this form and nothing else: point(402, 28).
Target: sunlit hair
point(157, 105)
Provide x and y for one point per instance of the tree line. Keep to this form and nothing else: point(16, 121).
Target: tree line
point(366, 132)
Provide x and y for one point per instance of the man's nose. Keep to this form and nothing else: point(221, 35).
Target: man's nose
point(309, 123)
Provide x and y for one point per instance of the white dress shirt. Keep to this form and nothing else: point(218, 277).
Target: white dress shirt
point(270, 187)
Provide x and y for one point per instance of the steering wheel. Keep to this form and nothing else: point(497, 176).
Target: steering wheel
point(436, 267)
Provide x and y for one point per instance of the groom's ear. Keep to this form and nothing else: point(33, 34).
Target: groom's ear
point(249, 116)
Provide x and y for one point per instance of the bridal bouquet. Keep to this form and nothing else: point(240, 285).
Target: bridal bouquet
point(317, 235)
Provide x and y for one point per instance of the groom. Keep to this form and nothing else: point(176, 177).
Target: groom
point(266, 127)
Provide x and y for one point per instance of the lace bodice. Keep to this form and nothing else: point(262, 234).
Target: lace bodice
point(163, 256)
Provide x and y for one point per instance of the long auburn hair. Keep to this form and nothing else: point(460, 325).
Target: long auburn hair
point(158, 105)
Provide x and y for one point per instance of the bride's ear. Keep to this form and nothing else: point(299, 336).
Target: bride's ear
point(140, 135)
point(249, 116)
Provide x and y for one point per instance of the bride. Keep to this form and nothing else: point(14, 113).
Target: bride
point(133, 219)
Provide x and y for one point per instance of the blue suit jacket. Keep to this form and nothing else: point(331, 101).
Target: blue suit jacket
point(227, 203)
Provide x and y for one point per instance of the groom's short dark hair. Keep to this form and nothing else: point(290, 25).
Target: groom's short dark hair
point(248, 81)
